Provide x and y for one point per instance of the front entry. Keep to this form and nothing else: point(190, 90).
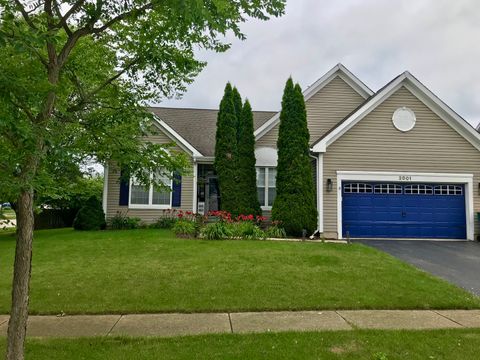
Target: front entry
point(212, 194)
point(392, 210)
point(208, 191)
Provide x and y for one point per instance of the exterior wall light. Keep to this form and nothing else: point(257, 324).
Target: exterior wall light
point(329, 185)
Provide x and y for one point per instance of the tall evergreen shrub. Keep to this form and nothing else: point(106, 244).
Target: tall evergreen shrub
point(247, 184)
point(294, 204)
point(237, 104)
point(226, 151)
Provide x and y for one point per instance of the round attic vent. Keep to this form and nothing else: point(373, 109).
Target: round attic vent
point(404, 119)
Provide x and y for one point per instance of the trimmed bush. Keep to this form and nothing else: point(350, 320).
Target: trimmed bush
point(123, 222)
point(294, 204)
point(184, 228)
point(90, 216)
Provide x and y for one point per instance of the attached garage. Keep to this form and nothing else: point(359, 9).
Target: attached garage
point(401, 165)
point(399, 210)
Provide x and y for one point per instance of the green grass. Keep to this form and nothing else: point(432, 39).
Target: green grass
point(142, 271)
point(377, 345)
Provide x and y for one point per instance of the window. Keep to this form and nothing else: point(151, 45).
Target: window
point(418, 189)
point(357, 188)
point(388, 189)
point(142, 197)
point(266, 189)
point(448, 190)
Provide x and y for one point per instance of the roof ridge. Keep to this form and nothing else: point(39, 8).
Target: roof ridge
point(201, 109)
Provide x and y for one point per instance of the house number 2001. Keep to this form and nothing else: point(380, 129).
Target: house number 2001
point(404, 178)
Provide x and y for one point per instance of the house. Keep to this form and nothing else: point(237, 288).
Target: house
point(396, 163)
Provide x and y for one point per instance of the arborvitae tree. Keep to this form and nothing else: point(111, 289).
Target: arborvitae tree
point(237, 103)
point(247, 183)
point(294, 204)
point(226, 152)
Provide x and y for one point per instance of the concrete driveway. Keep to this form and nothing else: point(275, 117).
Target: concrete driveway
point(455, 261)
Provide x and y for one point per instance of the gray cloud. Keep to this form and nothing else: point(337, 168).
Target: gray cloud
point(436, 40)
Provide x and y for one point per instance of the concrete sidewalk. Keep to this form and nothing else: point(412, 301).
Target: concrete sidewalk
point(194, 324)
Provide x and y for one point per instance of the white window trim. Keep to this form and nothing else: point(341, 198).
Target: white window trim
point(409, 177)
point(266, 187)
point(150, 198)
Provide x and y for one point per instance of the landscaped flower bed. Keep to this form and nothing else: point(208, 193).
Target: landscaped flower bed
point(216, 225)
point(224, 226)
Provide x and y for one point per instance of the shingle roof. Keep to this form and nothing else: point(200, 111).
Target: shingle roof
point(198, 126)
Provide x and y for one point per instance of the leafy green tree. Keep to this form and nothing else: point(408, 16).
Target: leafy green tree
point(75, 77)
point(294, 204)
point(247, 183)
point(226, 152)
point(76, 192)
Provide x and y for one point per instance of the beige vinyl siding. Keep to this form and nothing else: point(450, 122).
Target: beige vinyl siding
point(375, 145)
point(329, 106)
point(146, 215)
point(269, 139)
point(324, 110)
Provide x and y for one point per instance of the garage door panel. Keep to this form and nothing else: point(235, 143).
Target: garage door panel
point(406, 211)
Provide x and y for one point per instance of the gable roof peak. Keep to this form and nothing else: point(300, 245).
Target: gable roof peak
point(338, 70)
point(346, 75)
point(421, 92)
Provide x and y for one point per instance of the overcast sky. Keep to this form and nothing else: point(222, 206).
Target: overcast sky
point(438, 41)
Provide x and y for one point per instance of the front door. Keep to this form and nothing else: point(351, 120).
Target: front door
point(212, 194)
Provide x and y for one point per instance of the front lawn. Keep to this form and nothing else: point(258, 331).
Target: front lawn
point(373, 345)
point(140, 271)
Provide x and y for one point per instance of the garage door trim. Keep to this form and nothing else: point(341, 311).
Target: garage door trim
point(409, 177)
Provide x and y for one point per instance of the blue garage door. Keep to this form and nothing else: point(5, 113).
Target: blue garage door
point(388, 210)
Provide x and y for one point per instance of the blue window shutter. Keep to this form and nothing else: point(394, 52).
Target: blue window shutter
point(124, 190)
point(177, 190)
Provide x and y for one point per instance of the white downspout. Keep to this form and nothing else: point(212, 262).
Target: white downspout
point(320, 191)
point(195, 184)
point(105, 189)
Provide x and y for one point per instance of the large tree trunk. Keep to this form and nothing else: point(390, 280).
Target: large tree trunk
point(17, 326)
